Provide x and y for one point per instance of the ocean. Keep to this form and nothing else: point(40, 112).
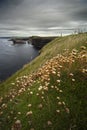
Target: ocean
point(14, 57)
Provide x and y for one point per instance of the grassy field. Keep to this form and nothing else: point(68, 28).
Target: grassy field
point(49, 93)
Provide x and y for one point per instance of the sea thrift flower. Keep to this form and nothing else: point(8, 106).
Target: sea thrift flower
point(67, 110)
point(15, 118)
point(63, 103)
point(31, 92)
point(83, 47)
point(60, 91)
point(29, 105)
point(49, 123)
point(53, 72)
point(40, 106)
point(58, 111)
point(46, 88)
point(58, 81)
point(12, 83)
point(17, 125)
point(1, 112)
point(58, 75)
point(40, 88)
point(71, 74)
point(52, 86)
point(59, 103)
point(42, 97)
point(29, 113)
point(19, 113)
point(73, 80)
point(37, 94)
point(58, 98)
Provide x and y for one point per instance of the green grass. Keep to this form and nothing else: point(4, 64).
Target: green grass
point(58, 100)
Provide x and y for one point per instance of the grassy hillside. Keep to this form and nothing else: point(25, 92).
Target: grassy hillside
point(50, 92)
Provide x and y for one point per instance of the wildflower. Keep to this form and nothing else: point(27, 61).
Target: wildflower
point(58, 75)
point(4, 105)
point(52, 86)
point(67, 110)
point(59, 103)
point(29, 105)
point(17, 125)
point(73, 80)
point(40, 106)
point(55, 87)
point(40, 88)
point(47, 83)
point(31, 92)
point(58, 111)
point(58, 98)
point(60, 91)
point(29, 113)
point(42, 97)
point(13, 96)
point(12, 83)
point(1, 112)
point(83, 47)
point(19, 113)
point(58, 81)
point(46, 88)
point(71, 74)
point(49, 123)
point(60, 66)
point(63, 103)
point(37, 94)
point(84, 70)
point(53, 72)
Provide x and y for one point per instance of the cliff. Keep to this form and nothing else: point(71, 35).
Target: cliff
point(39, 42)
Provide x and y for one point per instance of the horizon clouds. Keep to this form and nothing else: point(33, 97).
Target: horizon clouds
point(38, 17)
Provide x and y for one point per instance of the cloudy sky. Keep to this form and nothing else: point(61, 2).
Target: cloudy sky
point(42, 17)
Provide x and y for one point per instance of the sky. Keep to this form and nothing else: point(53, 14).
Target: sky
point(42, 17)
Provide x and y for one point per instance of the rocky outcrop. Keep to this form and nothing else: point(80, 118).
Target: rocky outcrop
point(19, 40)
point(36, 41)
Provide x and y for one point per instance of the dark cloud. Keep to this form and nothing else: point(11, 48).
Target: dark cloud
point(41, 16)
point(4, 3)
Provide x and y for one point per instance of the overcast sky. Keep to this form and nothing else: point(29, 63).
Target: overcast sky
point(41, 17)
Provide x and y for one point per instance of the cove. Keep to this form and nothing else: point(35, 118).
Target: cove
point(14, 57)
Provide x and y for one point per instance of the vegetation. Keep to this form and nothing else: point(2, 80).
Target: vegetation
point(50, 92)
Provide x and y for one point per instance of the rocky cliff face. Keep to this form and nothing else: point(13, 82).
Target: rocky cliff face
point(39, 42)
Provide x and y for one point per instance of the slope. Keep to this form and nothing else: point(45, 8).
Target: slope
point(50, 92)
